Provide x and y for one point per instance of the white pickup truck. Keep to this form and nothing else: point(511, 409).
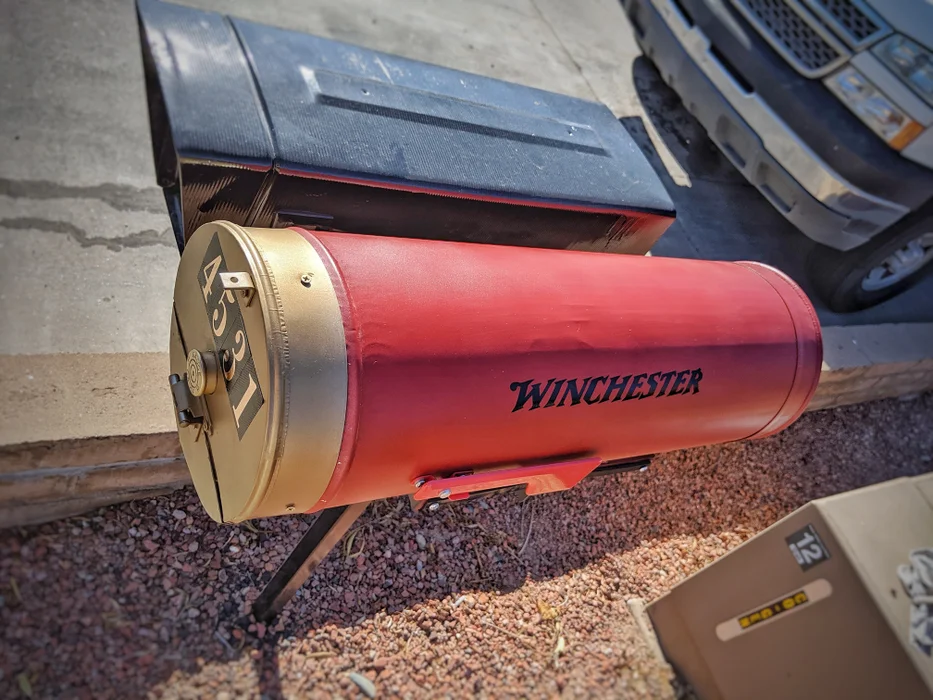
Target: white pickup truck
point(825, 106)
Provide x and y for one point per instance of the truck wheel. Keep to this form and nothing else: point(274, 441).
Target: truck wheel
point(882, 268)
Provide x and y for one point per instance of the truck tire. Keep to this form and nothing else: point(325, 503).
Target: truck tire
point(887, 265)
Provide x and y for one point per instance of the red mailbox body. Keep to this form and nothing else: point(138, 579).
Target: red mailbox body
point(483, 361)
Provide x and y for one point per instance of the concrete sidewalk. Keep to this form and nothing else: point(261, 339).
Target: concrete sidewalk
point(88, 259)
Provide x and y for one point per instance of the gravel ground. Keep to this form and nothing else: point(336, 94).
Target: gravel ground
point(498, 597)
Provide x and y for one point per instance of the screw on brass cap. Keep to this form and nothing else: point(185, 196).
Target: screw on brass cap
point(202, 372)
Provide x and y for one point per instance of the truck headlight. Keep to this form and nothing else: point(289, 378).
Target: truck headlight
point(910, 61)
point(871, 106)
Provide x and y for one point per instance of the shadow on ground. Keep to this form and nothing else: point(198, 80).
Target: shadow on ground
point(722, 217)
point(123, 602)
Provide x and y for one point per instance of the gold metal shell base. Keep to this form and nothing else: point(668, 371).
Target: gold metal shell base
point(269, 370)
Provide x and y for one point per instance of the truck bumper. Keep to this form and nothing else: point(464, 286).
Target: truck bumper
point(811, 194)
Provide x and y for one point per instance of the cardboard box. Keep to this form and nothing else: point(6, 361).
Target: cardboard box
point(813, 606)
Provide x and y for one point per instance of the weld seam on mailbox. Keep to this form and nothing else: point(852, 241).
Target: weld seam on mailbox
point(268, 181)
point(257, 93)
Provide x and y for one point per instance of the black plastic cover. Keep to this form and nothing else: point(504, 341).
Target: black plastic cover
point(268, 127)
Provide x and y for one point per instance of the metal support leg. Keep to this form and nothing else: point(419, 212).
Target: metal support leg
point(331, 525)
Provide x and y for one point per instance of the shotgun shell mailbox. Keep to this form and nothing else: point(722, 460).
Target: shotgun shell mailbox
point(313, 370)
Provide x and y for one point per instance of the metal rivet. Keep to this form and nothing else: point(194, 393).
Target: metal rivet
point(290, 507)
point(445, 493)
point(420, 483)
point(434, 507)
point(644, 469)
point(306, 279)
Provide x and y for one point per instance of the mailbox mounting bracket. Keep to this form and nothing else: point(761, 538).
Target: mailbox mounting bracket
point(331, 525)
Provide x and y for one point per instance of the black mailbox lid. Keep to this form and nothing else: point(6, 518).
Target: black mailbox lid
point(335, 108)
point(209, 100)
point(267, 100)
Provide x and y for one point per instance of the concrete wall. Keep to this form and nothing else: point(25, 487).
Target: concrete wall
point(865, 363)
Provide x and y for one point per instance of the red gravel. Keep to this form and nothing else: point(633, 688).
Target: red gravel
point(146, 598)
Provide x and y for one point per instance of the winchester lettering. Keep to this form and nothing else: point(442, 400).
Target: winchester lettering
point(533, 394)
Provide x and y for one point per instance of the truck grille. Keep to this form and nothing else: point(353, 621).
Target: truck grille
point(795, 34)
point(807, 33)
point(854, 22)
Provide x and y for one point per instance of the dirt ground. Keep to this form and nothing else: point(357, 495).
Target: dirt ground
point(502, 597)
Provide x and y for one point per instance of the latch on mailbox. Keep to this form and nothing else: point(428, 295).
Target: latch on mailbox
point(545, 477)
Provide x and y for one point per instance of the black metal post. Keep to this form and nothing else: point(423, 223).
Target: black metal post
point(331, 525)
